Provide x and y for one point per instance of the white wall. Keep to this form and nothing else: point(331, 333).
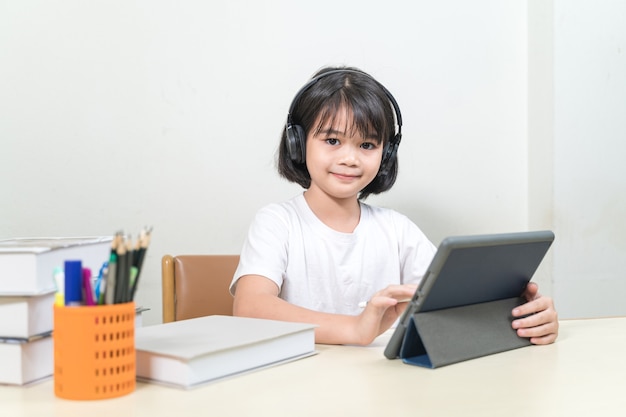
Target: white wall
point(590, 155)
point(120, 114)
point(577, 178)
point(541, 129)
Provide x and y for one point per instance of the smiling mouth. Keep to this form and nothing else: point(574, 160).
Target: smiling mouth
point(345, 176)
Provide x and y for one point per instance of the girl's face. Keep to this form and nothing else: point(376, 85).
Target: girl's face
point(340, 160)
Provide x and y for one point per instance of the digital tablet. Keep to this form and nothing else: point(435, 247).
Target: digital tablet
point(474, 269)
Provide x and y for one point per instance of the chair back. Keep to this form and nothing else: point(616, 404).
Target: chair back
point(197, 285)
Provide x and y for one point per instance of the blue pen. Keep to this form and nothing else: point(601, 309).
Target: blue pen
point(99, 284)
point(73, 283)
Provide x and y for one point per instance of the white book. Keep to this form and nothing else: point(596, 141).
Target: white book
point(26, 361)
point(26, 316)
point(27, 264)
point(191, 352)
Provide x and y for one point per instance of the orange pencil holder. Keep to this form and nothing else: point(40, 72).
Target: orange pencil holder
point(94, 351)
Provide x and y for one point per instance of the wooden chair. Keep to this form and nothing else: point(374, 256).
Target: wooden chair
point(197, 285)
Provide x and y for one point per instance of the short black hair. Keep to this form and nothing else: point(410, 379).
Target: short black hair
point(371, 110)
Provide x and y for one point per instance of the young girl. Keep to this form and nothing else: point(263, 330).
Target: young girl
point(324, 256)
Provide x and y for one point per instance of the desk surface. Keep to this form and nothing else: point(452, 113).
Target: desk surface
point(583, 374)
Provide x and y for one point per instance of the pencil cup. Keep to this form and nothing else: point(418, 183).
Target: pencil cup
point(94, 351)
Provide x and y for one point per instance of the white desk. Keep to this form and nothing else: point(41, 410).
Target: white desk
point(583, 374)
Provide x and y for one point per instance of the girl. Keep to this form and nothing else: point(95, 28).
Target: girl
point(317, 257)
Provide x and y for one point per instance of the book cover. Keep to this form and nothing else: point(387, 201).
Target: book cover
point(23, 361)
point(191, 352)
point(27, 264)
point(26, 316)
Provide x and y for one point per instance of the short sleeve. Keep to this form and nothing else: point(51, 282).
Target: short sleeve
point(265, 249)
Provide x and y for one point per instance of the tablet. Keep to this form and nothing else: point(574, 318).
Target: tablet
point(474, 269)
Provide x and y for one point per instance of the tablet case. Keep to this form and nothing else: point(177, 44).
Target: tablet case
point(443, 337)
point(462, 308)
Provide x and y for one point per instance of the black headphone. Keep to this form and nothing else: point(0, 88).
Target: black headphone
point(296, 136)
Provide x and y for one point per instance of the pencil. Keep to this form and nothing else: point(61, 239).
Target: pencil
point(121, 281)
point(144, 241)
point(144, 237)
point(109, 290)
point(109, 286)
point(130, 255)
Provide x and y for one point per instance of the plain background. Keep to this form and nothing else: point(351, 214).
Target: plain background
point(119, 114)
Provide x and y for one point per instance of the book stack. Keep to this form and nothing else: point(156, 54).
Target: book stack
point(27, 295)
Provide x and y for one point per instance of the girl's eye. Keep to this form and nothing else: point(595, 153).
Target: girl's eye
point(368, 146)
point(332, 141)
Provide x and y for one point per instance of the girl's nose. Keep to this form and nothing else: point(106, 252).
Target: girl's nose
point(349, 155)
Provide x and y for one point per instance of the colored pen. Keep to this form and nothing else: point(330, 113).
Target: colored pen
point(87, 287)
point(102, 283)
point(73, 287)
point(59, 281)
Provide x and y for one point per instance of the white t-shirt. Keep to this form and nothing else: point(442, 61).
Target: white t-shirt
point(321, 269)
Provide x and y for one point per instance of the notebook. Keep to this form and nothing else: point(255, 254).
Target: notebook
point(474, 269)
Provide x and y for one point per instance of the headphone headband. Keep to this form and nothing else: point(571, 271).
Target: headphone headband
point(313, 81)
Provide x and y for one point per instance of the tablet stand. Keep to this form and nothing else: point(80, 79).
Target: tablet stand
point(443, 337)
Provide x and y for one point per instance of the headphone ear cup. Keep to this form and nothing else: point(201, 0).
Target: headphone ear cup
point(296, 139)
point(389, 153)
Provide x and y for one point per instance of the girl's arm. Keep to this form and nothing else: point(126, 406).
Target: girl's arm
point(257, 296)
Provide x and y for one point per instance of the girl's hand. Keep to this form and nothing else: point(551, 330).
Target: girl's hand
point(382, 311)
point(542, 324)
